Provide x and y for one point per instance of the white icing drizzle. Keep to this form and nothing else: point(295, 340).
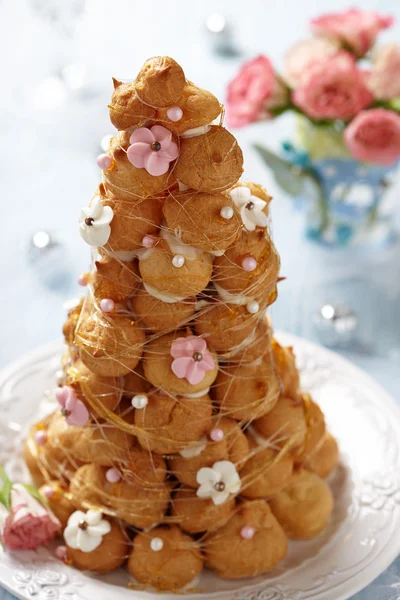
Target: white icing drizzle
point(197, 394)
point(189, 133)
point(124, 255)
point(178, 247)
point(199, 304)
point(229, 298)
point(162, 296)
point(261, 440)
point(195, 449)
point(246, 342)
point(143, 253)
point(217, 252)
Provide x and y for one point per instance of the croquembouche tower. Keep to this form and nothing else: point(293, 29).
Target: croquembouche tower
point(182, 439)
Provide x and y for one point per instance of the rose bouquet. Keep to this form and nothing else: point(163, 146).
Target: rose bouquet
point(345, 93)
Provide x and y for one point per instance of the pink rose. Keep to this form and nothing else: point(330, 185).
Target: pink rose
point(374, 136)
point(28, 523)
point(384, 79)
point(354, 28)
point(333, 89)
point(254, 91)
point(303, 55)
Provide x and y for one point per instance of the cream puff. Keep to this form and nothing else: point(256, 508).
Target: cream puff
point(212, 162)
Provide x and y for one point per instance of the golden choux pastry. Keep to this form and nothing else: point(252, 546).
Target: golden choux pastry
point(71, 322)
point(135, 382)
point(47, 461)
point(128, 182)
point(126, 110)
point(114, 279)
point(304, 506)
point(253, 348)
point(160, 82)
point(324, 458)
point(265, 472)
point(142, 496)
point(99, 443)
point(178, 275)
point(166, 372)
point(249, 267)
point(110, 345)
point(196, 108)
point(168, 424)
point(285, 363)
point(198, 219)
point(107, 390)
point(108, 556)
point(132, 222)
point(136, 492)
point(316, 427)
point(212, 162)
point(158, 316)
point(165, 558)
point(251, 543)
point(195, 515)
point(88, 488)
point(225, 326)
point(56, 498)
point(285, 425)
point(246, 392)
point(232, 445)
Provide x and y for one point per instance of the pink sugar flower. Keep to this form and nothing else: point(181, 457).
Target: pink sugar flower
point(74, 411)
point(152, 149)
point(192, 358)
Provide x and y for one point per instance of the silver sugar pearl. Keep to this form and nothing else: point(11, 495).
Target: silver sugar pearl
point(336, 324)
point(219, 486)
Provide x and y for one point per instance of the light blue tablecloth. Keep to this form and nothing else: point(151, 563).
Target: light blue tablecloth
point(51, 126)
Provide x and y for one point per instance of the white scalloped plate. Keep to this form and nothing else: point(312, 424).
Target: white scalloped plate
point(361, 540)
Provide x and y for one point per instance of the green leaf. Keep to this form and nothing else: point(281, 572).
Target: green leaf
point(5, 494)
point(290, 178)
point(3, 474)
point(394, 104)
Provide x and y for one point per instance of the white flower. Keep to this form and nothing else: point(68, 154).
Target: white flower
point(218, 482)
point(250, 207)
point(94, 223)
point(85, 531)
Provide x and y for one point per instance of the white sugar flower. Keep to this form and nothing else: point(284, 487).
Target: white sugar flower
point(94, 223)
point(250, 207)
point(85, 531)
point(218, 482)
